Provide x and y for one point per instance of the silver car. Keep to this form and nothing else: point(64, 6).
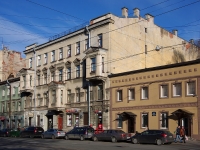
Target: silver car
point(53, 133)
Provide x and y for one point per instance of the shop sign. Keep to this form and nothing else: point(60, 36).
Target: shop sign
point(72, 110)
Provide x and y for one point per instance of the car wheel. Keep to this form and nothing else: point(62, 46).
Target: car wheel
point(53, 137)
point(113, 139)
point(95, 138)
point(134, 141)
point(159, 142)
point(42, 136)
point(66, 137)
point(81, 138)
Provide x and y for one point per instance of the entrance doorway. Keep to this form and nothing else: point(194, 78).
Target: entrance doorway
point(131, 125)
point(186, 122)
point(29, 121)
point(60, 122)
point(50, 122)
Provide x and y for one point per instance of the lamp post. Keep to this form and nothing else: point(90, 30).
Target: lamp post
point(8, 84)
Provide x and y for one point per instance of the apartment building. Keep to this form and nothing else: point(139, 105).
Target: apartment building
point(71, 70)
point(159, 98)
point(11, 104)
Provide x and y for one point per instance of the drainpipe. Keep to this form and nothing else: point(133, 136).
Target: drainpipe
point(34, 117)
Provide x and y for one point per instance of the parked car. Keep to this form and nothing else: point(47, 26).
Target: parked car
point(81, 133)
point(5, 132)
point(14, 132)
point(53, 133)
point(158, 137)
point(111, 135)
point(32, 132)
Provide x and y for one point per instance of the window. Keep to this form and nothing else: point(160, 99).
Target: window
point(13, 90)
point(100, 92)
point(93, 64)
point(60, 74)
point(86, 44)
point(30, 62)
point(31, 80)
point(13, 106)
point(102, 64)
point(8, 107)
point(131, 94)
point(177, 89)
point(3, 92)
point(100, 40)
point(119, 95)
point(78, 95)
point(61, 96)
point(45, 78)
point(38, 79)
point(164, 91)
point(163, 120)
point(144, 93)
point(191, 88)
point(39, 60)
point(2, 108)
point(144, 120)
point(61, 53)
point(77, 48)
point(53, 96)
point(8, 91)
point(69, 51)
point(69, 120)
point(45, 58)
point(53, 56)
point(119, 121)
point(69, 96)
point(145, 29)
point(24, 79)
point(69, 73)
point(78, 71)
point(52, 76)
point(19, 106)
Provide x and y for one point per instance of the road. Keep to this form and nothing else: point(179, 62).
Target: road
point(8, 143)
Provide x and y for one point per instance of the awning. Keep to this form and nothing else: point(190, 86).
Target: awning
point(51, 112)
point(180, 113)
point(128, 114)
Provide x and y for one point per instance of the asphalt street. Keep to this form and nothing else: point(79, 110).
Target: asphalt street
point(8, 143)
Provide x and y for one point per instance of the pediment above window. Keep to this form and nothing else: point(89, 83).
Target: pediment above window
point(77, 61)
point(68, 63)
point(52, 68)
point(24, 70)
point(44, 69)
point(38, 71)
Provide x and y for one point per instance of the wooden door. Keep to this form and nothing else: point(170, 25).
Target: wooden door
point(60, 122)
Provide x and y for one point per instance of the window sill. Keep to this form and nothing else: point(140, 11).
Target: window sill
point(60, 59)
point(164, 97)
point(38, 65)
point(77, 54)
point(175, 96)
point(45, 64)
point(119, 101)
point(145, 99)
point(92, 72)
point(53, 61)
point(69, 56)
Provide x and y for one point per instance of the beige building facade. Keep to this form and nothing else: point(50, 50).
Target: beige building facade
point(71, 73)
point(158, 98)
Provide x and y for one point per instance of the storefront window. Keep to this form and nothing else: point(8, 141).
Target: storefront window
point(69, 120)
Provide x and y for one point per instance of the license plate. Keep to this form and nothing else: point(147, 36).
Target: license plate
point(128, 137)
point(39, 131)
point(170, 136)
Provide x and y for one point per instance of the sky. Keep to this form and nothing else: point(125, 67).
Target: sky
point(24, 22)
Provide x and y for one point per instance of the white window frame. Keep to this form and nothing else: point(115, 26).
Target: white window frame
point(61, 75)
point(165, 120)
point(19, 106)
point(69, 73)
point(61, 53)
point(119, 95)
point(53, 96)
point(78, 71)
point(69, 51)
point(61, 96)
point(53, 56)
point(8, 91)
point(45, 58)
point(175, 89)
point(164, 91)
point(191, 90)
point(100, 40)
point(69, 92)
point(69, 120)
point(93, 64)
point(131, 94)
point(77, 48)
point(142, 120)
point(13, 90)
point(30, 62)
point(144, 92)
point(52, 76)
point(119, 121)
point(3, 92)
point(38, 60)
point(86, 44)
point(45, 78)
point(78, 98)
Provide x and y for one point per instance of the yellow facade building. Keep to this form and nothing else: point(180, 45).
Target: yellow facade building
point(158, 98)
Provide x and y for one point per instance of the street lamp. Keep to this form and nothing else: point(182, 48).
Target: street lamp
point(8, 84)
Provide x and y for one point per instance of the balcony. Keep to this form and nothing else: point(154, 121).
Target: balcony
point(26, 88)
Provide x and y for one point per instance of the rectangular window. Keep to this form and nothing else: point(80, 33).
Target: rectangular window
point(69, 120)
point(191, 88)
point(31, 80)
point(53, 56)
point(145, 120)
point(68, 96)
point(86, 44)
point(45, 58)
point(131, 93)
point(93, 64)
point(77, 48)
point(164, 91)
point(102, 64)
point(100, 92)
point(24, 79)
point(177, 89)
point(52, 76)
point(163, 120)
point(8, 107)
point(19, 106)
point(3, 92)
point(45, 78)
point(39, 60)
point(69, 51)
point(61, 53)
point(38, 79)
point(13, 106)
point(119, 95)
point(30, 62)
point(78, 95)
point(53, 96)
point(119, 121)
point(3, 108)
point(60, 75)
point(78, 71)
point(8, 91)
point(13, 90)
point(61, 96)
point(145, 29)
point(100, 40)
point(144, 93)
point(69, 73)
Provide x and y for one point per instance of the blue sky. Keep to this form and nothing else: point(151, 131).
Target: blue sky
point(24, 22)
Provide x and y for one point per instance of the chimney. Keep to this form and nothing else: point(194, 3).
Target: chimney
point(136, 12)
point(124, 12)
point(175, 32)
point(149, 17)
point(192, 41)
